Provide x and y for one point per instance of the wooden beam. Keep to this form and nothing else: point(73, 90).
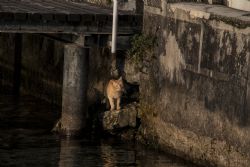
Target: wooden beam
point(17, 64)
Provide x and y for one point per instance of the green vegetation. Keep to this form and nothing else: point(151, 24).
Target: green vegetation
point(142, 47)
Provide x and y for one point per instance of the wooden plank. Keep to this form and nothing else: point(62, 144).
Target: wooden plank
point(47, 17)
point(60, 17)
point(65, 7)
point(74, 17)
point(33, 7)
point(101, 17)
point(96, 9)
point(5, 16)
point(17, 64)
point(88, 19)
point(53, 6)
point(34, 17)
point(81, 8)
point(123, 20)
point(12, 8)
point(21, 8)
point(20, 16)
point(101, 20)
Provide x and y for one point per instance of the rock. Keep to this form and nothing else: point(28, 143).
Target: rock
point(132, 73)
point(116, 120)
point(57, 127)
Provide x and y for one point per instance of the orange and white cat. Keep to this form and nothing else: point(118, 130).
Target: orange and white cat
point(114, 92)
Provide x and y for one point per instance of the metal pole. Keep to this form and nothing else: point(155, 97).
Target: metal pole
point(114, 27)
point(114, 70)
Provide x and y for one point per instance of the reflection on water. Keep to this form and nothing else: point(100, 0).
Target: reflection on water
point(25, 140)
point(82, 153)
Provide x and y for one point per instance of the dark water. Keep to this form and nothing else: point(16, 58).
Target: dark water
point(25, 140)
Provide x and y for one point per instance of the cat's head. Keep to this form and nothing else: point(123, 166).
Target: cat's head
point(119, 85)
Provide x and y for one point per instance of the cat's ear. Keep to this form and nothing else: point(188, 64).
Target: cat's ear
point(113, 83)
point(120, 79)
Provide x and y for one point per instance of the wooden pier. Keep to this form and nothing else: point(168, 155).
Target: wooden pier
point(57, 16)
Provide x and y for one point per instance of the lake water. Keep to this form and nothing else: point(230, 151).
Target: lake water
point(26, 140)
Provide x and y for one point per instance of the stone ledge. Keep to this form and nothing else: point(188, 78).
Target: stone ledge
point(199, 149)
point(206, 11)
point(238, 4)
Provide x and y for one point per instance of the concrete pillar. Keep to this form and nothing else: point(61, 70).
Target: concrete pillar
point(75, 84)
point(139, 6)
point(246, 112)
point(17, 64)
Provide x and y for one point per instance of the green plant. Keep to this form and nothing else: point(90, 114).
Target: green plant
point(142, 47)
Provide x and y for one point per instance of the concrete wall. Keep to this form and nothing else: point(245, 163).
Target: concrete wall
point(239, 4)
point(158, 3)
point(195, 93)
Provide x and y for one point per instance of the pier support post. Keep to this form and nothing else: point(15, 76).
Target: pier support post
point(74, 96)
point(17, 64)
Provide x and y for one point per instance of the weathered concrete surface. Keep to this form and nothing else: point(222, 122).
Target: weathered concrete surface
point(213, 12)
point(132, 72)
point(239, 4)
point(199, 149)
point(236, 18)
point(159, 4)
point(194, 96)
point(117, 120)
point(75, 85)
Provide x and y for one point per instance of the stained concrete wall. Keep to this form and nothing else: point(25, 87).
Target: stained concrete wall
point(239, 4)
point(195, 94)
point(158, 3)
